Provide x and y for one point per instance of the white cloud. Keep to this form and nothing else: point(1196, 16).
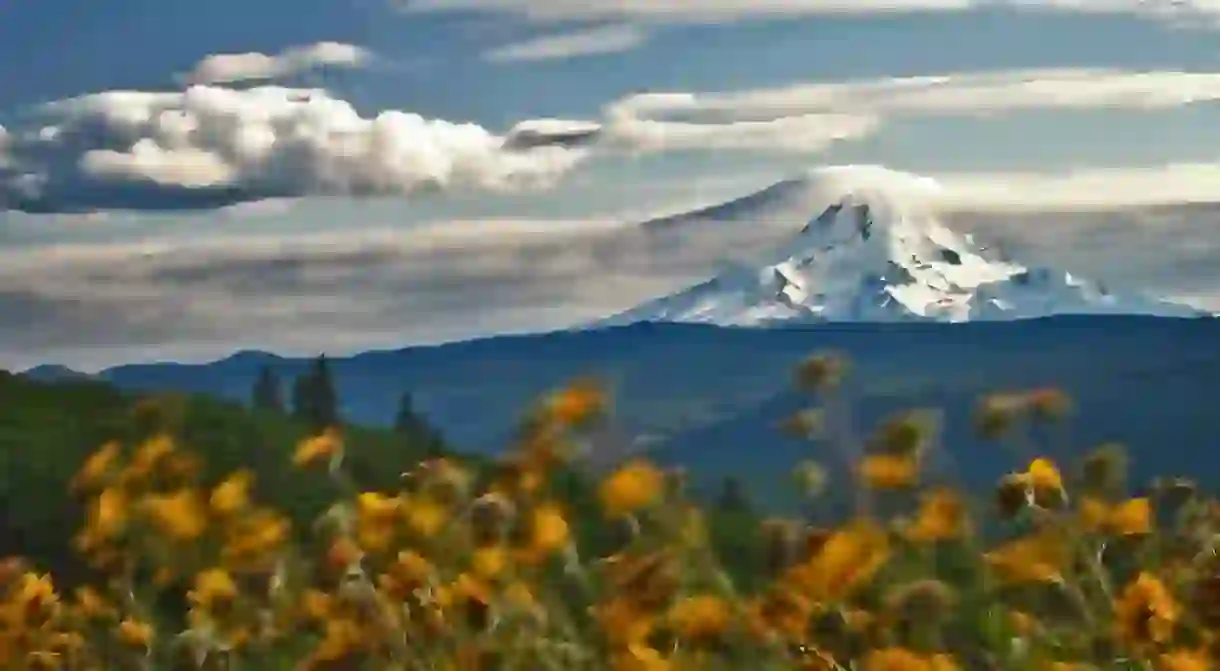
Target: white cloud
point(807, 118)
point(1094, 189)
point(720, 11)
point(231, 68)
point(188, 167)
point(1084, 189)
point(967, 93)
point(606, 39)
point(281, 142)
point(271, 141)
point(806, 134)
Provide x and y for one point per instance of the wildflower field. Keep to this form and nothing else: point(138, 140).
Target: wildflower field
point(466, 565)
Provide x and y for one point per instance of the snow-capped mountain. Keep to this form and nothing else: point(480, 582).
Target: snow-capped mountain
point(873, 257)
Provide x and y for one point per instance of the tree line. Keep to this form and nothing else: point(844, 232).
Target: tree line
point(314, 401)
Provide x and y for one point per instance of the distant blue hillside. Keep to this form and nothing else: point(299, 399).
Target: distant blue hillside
point(711, 396)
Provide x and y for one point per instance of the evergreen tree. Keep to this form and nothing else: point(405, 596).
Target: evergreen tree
point(732, 496)
point(267, 393)
point(313, 395)
point(405, 419)
point(410, 424)
point(327, 398)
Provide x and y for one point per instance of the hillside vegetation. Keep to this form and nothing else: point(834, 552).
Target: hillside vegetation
point(711, 396)
point(48, 429)
point(209, 536)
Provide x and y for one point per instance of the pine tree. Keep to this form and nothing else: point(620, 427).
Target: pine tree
point(732, 496)
point(405, 419)
point(267, 393)
point(409, 423)
point(313, 396)
point(327, 398)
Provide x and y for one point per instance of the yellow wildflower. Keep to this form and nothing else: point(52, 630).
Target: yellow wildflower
point(91, 605)
point(473, 597)
point(549, 532)
point(180, 515)
point(409, 572)
point(637, 485)
point(1044, 475)
point(1093, 514)
point(376, 524)
point(488, 562)
point(341, 637)
point(253, 538)
point(214, 588)
point(149, 455)
point(700, 617)
point(1131, 517)
point(578, 403)
point(135, 633)
point(1035, 558)
point(1023, 624)
point(107, 514)
point(424, 515)
point(624, 622)
point(941, 516)
point(1145, 612)
point(95, 469)
point(376, 506)
point(343, 553)
point(847, 559)
point(316, 605)
point(36, 595)
point(779, 612)
point(318, 448)
point(232, 495)
point(902, 659)
point(889, 471)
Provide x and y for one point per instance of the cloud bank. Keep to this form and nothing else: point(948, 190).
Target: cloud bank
point(211, 293)
point(964, 93)
point(211, 145)
point(808, 118)
point(233, 68)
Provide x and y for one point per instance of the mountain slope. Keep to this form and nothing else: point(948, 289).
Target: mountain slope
point(710, 397)
point(877, 256)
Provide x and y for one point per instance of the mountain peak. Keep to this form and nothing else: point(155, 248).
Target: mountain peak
point(872, 255)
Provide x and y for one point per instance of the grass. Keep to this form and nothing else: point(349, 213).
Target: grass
point(520, 565)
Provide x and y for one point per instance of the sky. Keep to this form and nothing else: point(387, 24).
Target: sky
point(180, 180)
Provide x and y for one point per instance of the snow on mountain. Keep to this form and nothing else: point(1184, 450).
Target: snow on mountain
point(879, 253)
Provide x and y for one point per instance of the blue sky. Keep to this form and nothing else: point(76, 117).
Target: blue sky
point(106, 202)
